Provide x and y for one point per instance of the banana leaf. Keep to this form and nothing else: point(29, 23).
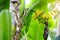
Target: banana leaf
point(5, 25)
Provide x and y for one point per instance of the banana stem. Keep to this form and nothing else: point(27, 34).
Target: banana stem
point(14, 9)
point(45, 35)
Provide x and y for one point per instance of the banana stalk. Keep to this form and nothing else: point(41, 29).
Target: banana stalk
point(14, 9)
point(45, 35)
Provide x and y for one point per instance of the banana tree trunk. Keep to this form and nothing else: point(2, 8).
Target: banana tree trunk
point(14, 9)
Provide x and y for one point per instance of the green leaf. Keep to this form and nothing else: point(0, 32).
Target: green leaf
point(1, 1)
point(51, 24)
point(7, 4)
point(35, 31)
point(42, 5)
point(4, 4)
point(27, 20)
point(5, 25)
point(22, 6)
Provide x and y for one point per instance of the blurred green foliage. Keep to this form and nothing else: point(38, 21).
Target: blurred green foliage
point(5, 25)
point(35, 29)
point(4, 4)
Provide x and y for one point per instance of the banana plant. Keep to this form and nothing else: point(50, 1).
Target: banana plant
point(29, 23)
point(36, 30)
